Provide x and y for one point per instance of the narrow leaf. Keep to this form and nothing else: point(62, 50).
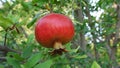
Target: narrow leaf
point(80, 56)
point(5, 22)
point(45, 64)
point(33, 20)
point(1, 66)
point(13, 62)
point(27, 51)
point(33, 60)
point(95, 65)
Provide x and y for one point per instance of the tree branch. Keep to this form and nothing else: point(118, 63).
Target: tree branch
point(5, 39)
point(24, 32)
point(7, 49)
point(117, 35)
point(91, 25)
point(2, 58)
point(79, 17)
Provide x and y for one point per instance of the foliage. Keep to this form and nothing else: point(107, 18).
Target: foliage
point(18, 19)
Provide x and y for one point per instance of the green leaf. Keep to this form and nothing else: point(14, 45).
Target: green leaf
point(68, 46)
point(5, 22)
point(24, 21)
point(12, 61)
point(95, 65)
point(15, 55)
point(33, 20)
point(45, 64)
point(30, 39)
point(12, 17)
point(80, 56)
point(75, 50)
point(68, 66)
point(34, 59)
point(27, 51)
point(1, 66)
point(26, 5)
point(40, 3)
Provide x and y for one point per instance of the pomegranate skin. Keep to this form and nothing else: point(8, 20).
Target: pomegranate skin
point(53, 28)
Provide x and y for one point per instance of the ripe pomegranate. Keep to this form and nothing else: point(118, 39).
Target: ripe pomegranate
point(53, 31)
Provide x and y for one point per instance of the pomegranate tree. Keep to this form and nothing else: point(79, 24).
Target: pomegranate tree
point(53, 31)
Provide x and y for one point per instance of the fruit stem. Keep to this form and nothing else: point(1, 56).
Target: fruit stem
point(58, 45)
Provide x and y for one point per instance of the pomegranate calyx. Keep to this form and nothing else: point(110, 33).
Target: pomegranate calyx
point(58, 51)
point(58, 45)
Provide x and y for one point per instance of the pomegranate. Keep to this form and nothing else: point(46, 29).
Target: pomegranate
point(53, 31)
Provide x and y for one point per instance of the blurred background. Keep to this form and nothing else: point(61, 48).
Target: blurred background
point(96, 43)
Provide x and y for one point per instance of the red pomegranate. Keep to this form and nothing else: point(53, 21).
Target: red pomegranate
point(54, 30)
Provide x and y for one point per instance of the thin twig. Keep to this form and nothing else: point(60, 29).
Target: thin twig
point(24, 32)
point(2, 58)
point(5, 39)
point(7, 49)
